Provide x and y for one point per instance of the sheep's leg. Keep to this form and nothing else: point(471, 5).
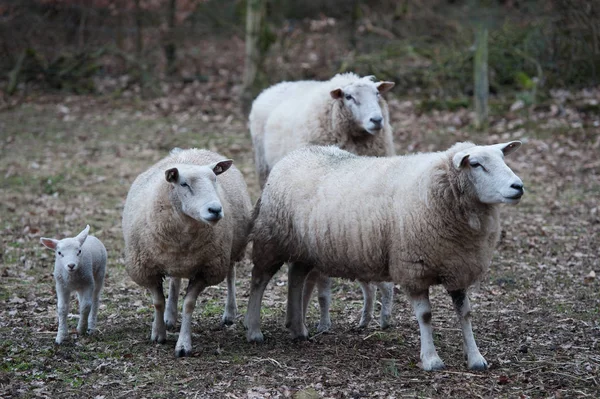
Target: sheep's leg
point(387, 302)
point(159, 330)
point(85, 307)
point(62, 307)
point(260, 279)
point(230, 306)
point(95, 305)
point(171, 311)
point(184, 343)
point(297, 276)
point(368, 291)
point(324, 287)
point(422, 308)
point(475, 360)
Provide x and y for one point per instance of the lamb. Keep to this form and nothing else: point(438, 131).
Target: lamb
point(186, 218)
point(79, 265)
point(346, 111)
point(417, 220)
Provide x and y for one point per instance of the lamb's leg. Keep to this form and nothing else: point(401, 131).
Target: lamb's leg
point(231, 306)
point(260, 278)
point(159, 330)
point(85, 307)
point(368, 291)
point(184, 343)
point(324, 287)
point(387, 302)
point(297, 276)
point(171, 311)
point(62, 307)
point(309, 286)
point(95, 305)
point(422, 308)
point(475, 360)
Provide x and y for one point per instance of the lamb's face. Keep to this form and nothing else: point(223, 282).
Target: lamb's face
point(67, 250)
point(493, 181)
point(196, 188)
point(362, 100)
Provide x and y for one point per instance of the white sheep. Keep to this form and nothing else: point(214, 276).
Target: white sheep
point(417, 220)
point(79, 265)
point(347, 111)
point(185, 218)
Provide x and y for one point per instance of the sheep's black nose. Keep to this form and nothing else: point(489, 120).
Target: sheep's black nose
point(518, 187)
point(71, 266)
point(377, 120)
point(215, 210)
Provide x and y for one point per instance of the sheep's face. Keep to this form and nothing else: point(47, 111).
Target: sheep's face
point(196, 189)
point(362, 100)
point(67, 250)
point(492, 180)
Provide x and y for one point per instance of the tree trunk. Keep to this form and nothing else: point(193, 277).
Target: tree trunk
point(254, 17)
point(82, 21)
point(170, 39)
point(139, 41)
point(480, 75)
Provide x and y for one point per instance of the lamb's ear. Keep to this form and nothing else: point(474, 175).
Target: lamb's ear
point(83, 235)
point(510, 147)
point(49, 243)
point(172, 175)
point(460, 159)
point(384, 87)
point(221, 166)
point(337, 93)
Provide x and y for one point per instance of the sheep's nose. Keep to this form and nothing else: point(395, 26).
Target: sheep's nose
point(71, 266)
point(376, 120)
point(215, 209)
point(518, 187)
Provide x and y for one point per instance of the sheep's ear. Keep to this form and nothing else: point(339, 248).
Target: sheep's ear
point(221, 166)
point(172, 175)
point(384, 87)
point(83, 235)
point(460, 159)
point(337, 93)
point(510, 147)
point(49, 243)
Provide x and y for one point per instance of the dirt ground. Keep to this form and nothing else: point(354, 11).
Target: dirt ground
point(66, 161)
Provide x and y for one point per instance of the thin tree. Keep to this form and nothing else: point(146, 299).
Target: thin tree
point(170, 37)
point(480, 75)
point(254, 19)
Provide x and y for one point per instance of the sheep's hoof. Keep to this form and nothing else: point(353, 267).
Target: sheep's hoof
point(170, 325)
point(323, 327)
point(433, 364)
point(90, 331)
point(384, 323)
point(182, 352)
point(479, 364)
point(159, 340)
point(227, 321)
point(256, 337)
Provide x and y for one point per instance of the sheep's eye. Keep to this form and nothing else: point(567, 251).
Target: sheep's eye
point(79, 253)
point(60, 253)
point(184, 184)
point(475, 164)
point(348, 97)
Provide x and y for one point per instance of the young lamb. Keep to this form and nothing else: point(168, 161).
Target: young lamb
point(185, 218)
point(346, 111)
point(417, 220)
point(79, 265)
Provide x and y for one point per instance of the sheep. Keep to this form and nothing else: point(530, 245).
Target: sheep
point(417, 220)
point(79, 265)
point(185, 218)
point(346, 111)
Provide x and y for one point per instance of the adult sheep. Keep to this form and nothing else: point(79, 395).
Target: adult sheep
point(417, 220)
point(186, 218)
point(347, 111)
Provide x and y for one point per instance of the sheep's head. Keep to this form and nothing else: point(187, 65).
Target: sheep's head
point(196, 189)
point(67, 250)
point(492, 180)
point(361, 98)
